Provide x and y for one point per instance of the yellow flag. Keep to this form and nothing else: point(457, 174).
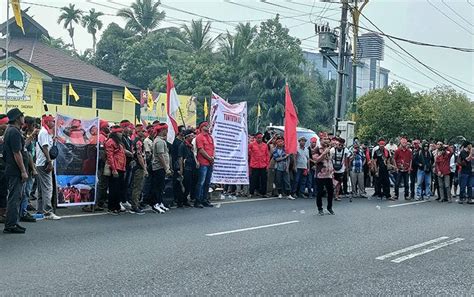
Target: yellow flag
point(259, 112)
point(17, 12)
point(128, 96)
point(73, 93)
point(206, 108)
point(149, 100)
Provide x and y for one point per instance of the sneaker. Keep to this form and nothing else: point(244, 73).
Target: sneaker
point(14, 230)
point(156, 208)
point(162, 206)
point(137, 210)
point(207, 204)
point(470, 201)
point(145, 207)
point(52, 216)
point(280, 196)
point(114, 212)
point(198, 205)
point(321, 213)
point(186, 204)
point(289, 197)
point(122, 207)
point(461, 201)
point(127, 205)
point(28, 218)
point(331, 212)
point(22, 228)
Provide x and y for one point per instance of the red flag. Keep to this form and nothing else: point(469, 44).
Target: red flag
point(291, 121)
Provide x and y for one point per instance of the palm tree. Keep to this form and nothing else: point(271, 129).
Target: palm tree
point(93, 24)
point(196, 37)
point(233, 47)
point(69, 16)
point(143, 17)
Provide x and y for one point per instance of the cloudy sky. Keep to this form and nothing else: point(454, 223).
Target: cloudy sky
point(446, 22)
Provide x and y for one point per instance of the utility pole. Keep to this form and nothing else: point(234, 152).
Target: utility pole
point(355, 11)
point(340, 66)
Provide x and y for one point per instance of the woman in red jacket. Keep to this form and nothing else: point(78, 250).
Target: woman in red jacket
point(116, 160)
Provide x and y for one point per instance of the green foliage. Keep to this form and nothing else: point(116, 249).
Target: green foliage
point(142, 17)
point(92, 23)
point(70, 15)
point(441, 114)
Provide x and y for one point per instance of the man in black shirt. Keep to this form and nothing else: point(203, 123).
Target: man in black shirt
point(16, 160)
point(466, 176)
point(177, 178)
point(188, 168)
point(3, 179)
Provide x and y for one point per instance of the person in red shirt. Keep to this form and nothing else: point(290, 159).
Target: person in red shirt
point(259, 158)
point(116, 161)
point(205, 158)
point(403, 158)
point(443, 171)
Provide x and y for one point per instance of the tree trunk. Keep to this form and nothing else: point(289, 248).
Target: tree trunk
point(71, 33)
point(94, 41)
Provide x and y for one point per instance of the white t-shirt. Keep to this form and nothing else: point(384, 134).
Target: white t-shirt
point(302, 158)
point(44, 138)
point(345, 154)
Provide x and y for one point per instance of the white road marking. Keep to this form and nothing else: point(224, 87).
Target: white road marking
point(84, 215)
point(251, 228)
point(408, 203)
point(427, 250)
point(247, 200)
point(411, 248)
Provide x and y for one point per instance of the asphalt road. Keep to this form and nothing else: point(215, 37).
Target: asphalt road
point(171, 254)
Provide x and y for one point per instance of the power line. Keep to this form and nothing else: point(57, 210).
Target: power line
point(431, 69)
point(468, 1)
point(462, 49)
point(456, 13)
point(410, 81)
point(454, 21)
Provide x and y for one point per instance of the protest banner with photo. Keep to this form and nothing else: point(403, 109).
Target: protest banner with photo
point(229, 130)
point(76, 164)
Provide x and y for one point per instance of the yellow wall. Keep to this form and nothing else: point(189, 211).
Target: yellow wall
point(32, 103)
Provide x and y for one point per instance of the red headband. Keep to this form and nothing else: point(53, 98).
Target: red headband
point(314, 139)
point(160, 127)
point(203, 124)
point(125, 124)
point(48, 119)
point(4, 121)
point(103, 124)
point(117, 130)
point(381, 142)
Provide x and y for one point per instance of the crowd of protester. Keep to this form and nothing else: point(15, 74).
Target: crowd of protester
point(136, 161)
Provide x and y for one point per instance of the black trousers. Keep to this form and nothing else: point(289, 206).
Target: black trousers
point(178, 192)
point(402, 176)
point(190, 181)
point(117, 190)
point(382, 184)
point(258, 181)
point(344, 183)
point(324, 183)
point(3, 190)
point(158, 186)
point(413, 175)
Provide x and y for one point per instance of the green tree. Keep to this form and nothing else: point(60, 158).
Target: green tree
point(454, 113)
point(93, 24)
point(111, 47)
point(393, 111)
point(70, 15)
point(196, 37)
point(143, 17)
point(234, 47)
point(58, 43)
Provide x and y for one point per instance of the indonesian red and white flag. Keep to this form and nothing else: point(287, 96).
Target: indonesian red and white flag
point(172, 109)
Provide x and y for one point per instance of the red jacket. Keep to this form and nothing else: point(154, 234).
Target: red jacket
point(442, 163)
point(115, 155)
point(258, 155)
point(403, 159)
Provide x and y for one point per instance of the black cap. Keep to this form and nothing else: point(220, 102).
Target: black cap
point(188, 132)
point(14, 114)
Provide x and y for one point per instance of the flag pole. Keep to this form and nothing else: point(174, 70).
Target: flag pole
point(6, 57)
point(181, 114)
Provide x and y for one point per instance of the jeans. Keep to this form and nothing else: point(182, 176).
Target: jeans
point(204, 180)
point(413, 175)
point(258, 181)
point(310, 184)
point(15, 190)
point(423, 177)
point(282, 182)
point(26, 196)
point(465, 181)
point(321, 184)
point(45, 189)
point(402, 176)
point(300, 182)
